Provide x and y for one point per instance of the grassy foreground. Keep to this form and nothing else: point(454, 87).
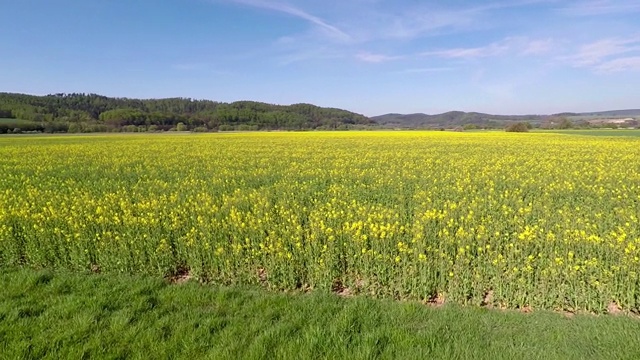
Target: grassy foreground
point(57, 315)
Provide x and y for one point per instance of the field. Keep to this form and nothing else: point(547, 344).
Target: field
point(598, 132)
point(9, 125)
point(15, 121)
point(523, 221)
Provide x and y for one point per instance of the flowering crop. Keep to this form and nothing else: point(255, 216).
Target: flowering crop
point(537, 220)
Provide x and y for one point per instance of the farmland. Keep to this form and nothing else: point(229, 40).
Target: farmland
point(599, 132)
point(529, 221)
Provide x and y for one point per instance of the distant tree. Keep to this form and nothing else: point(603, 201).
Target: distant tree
point(517, 127)
point(181, 127)
point(130, 128)
point(74, 128)
point(6, 113)
point(123, 117)
point(56, 127)
point(565, 123)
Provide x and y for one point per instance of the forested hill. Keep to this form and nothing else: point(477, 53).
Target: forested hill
point(91, 112)
point(452, 119)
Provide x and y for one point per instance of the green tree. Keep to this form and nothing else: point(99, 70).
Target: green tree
point(517, 127)
point(565, 123)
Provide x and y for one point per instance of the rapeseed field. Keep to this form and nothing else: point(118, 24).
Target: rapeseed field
point(540, 221)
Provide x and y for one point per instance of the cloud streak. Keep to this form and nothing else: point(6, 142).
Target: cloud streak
point(299, 13)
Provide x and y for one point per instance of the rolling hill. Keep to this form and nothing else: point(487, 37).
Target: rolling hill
point(460, 118)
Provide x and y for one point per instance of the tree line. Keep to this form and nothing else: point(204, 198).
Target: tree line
point(96, 113)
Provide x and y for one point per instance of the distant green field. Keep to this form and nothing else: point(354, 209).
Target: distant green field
point(15, 121)
point(599, 132)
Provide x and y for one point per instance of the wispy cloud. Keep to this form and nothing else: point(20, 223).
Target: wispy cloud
point(424, 70)
point(469, 53)
point(538, 47)
point(376, 58)
point(513, 4)
point(401, 28)
point(595, 53)
point(299, 13)
point(415, 23)
point(508, 46)
point(428, 19)
point(600, 7)
point(622, 64)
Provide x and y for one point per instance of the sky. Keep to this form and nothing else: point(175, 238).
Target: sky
point(368, 56)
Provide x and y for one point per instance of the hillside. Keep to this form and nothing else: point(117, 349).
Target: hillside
point(96, 113)
point(452, 119)
point(614, 113)
point(459, 118)
point(91, 112)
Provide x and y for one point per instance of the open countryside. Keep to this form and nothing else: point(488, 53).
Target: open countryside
point(303, 179)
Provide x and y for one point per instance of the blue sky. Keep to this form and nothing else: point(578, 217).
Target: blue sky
point(368, 56)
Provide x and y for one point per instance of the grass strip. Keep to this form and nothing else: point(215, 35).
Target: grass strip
point(45, 314)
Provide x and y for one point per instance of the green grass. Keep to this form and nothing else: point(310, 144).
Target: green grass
point(57, 315)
